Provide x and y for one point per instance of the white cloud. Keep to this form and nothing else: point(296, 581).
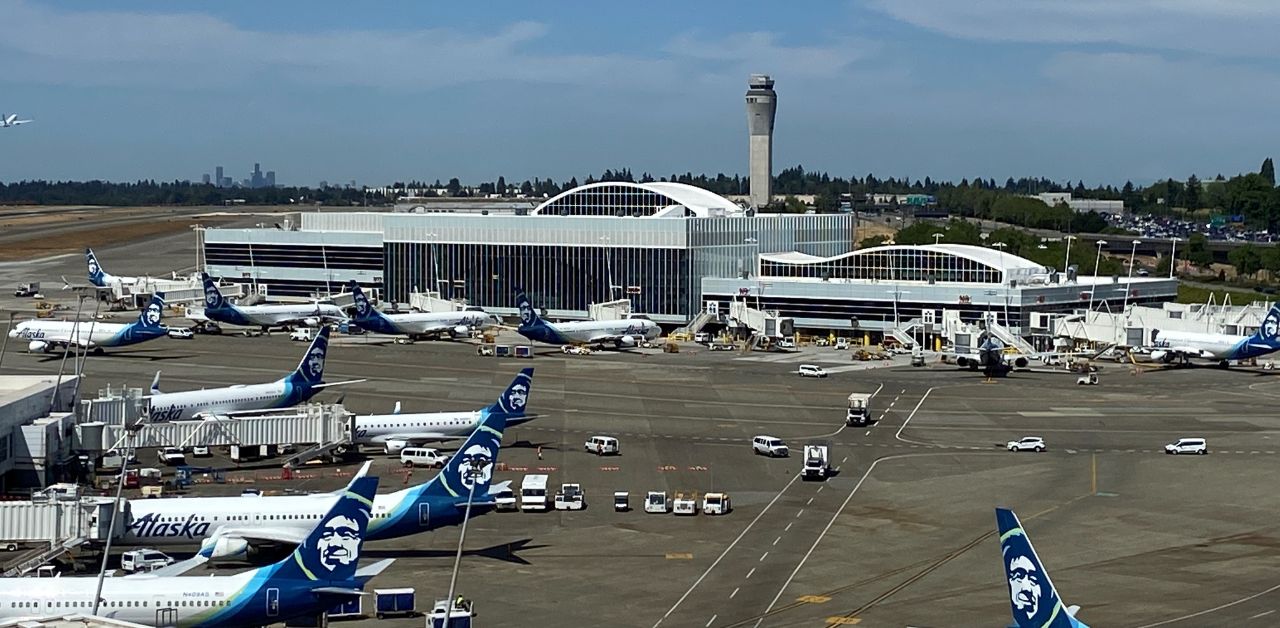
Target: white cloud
point(1225, 27)
point(761, 52)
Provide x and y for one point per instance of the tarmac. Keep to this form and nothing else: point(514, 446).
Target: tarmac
point(904, 535)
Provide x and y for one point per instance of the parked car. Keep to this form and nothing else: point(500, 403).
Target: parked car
point(1027, 443)
point(200, 451)
point(769, 446)
point(1187, 446)
point(505, 499)
point(422, 457)
point(145, 559)
point(602, 445)
point(171, 456)
point(786, 343)
point(811, 370)
point(180, 333)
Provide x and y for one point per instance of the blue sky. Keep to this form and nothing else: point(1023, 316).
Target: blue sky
point(1099, 90)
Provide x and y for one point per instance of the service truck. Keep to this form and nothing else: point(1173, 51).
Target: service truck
point(570, 497)
point(817, 465)
point(859, 413)
point(533, 492)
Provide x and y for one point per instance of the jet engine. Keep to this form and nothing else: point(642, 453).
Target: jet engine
point(1160, 355)
point(311, 322)
point(1017, 361)
point(38, 346)
point(394, 446)
point(966, 363)
point(461, 330)
point(225, 547)
point(627, 341)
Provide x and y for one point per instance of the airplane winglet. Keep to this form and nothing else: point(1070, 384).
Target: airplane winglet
point(328, 384)
point(369, 571)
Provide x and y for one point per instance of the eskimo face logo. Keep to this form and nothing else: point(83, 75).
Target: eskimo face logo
point(210, 295)
point(526, 313)
point(153, 314)
point(477, 465)
point(362, 304)
point(1271, 326)
point(518, 396)
point(339, 542)
point(315, 362)
point(93, 267)
point(1024, 586)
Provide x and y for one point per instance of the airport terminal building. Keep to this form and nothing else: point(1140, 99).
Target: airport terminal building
point(652, 243)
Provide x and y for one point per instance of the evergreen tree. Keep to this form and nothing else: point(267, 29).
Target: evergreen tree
point(1268, 171)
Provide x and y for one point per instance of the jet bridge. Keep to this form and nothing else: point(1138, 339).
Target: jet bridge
point(327, 425)
point(58, 522)
point(762, 322)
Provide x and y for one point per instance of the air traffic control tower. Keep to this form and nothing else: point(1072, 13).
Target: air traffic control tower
point(762, 104)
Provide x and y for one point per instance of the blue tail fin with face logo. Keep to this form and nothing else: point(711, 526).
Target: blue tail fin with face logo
point(1032, 597)
point(213, 299)
point(96, 275)
point(368, 316)
point(331, 553)
point(473, 463)
point(528, 314)
point(512, 402)
point(1268, 335)
point(310, 370)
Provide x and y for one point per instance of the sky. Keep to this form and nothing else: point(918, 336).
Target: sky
point(1096, 90)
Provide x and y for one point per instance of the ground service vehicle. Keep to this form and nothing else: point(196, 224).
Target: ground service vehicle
point(811, 370)
point(505, 500)
point(685, 504)
point(621, 501)
point(533, 492)
point(137, 560)
point(1027, 443)
point(27, 289)
point(1187, 446)
point(171, 456)
point(602, 445)
point(859, 413)
point(769, 446)
point(422, 457)
point(716, 504)
point(302, 334)
point(656, 502)
point(842, 344)
point(394, 602)
point(180, 333)
point(570, 497)
point(816, 463)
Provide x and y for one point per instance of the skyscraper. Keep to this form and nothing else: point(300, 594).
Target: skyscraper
point(762, 104)
point(218, 178)
point(271, 179)
point(204, 178)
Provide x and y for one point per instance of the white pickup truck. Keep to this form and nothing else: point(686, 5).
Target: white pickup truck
point(570, 497)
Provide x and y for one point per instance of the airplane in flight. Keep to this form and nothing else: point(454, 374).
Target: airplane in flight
point(627, 332)
point(417, 325)
point(11, 119)
point(1032, 597)
point(394, 432)
point(1183, 346)
point(46, 336)
point(217, 308)
point(288, 391)
point(321, 573)
point(231, 527)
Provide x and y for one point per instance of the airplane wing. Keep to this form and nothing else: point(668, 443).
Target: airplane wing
point(282, 536)
point(603, 338)
point(417, 437)
point(328, 384)
point(176, 569)
point(369, 571)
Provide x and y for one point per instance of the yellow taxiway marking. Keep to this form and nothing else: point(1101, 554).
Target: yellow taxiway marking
point(843, 621)
point(813, 599)
point(679, 555)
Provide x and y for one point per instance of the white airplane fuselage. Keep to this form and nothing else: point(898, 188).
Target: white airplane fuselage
point(83, 333)
point(134, 599)
point(395, 431)
point(1209, 346)
point(185, 405)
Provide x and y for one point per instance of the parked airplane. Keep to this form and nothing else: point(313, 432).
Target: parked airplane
point(321, 573)
point(229, 527)
point(394, 432)
point(1032, 597)
point(417, 325)
point(49, 335)
point(218, 309)
point(11, 119)
point(102, 278)
point(627, 332)
point(1183, 346)
point(288, 391)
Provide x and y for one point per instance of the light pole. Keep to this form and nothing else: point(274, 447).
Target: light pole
point(937, 237)
point(755, 266)
point(896, 292)
point(1096, 260)
point(1173, 256)
point(1066, 262)
point(608, 260)
point(1128, 282)
point(472, 473)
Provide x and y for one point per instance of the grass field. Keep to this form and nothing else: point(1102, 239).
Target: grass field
point(1198, 294)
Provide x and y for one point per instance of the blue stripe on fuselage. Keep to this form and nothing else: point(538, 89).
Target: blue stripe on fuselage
point(228, 314)
point(542, 332)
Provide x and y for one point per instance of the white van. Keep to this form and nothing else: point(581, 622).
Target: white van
point(422, 457)
point(811, 370)
point(602, 445)
point(302, 334)
point(1187, 446)
point(769, 446)
point(533, 492)
point(144, 560)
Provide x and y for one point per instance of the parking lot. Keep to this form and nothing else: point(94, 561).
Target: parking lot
point(903, 535)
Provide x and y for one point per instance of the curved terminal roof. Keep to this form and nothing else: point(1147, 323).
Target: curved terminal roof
point(947, 263)
point(640, 200)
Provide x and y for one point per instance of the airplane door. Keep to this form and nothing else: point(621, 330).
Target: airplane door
point(167, 618)
point(424, 514)
point(273, 602)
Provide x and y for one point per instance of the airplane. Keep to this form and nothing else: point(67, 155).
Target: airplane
point(1183, 346)
point(102, 278)
point(627, 332)
point(45, 336)
point(1032, 598)
point(321, 573)
point(393, 432)
point(217, 308)
point(9, 120)
point(417, 325)
point(228, 401)
point(231, 527)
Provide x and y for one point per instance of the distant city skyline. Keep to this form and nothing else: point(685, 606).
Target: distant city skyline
point(256, 179)
point(326, 90)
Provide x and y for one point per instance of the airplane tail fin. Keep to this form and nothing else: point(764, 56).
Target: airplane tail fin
point(528, 313)
point(511, 403)
point(149, 319)
point(96, 276)
point(331, 553)
point(473, 464)
point(155, 384)
point(1268, 333)
point(213, 299)
point(310, 370)
point(368, 316)
point(1032, 597)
